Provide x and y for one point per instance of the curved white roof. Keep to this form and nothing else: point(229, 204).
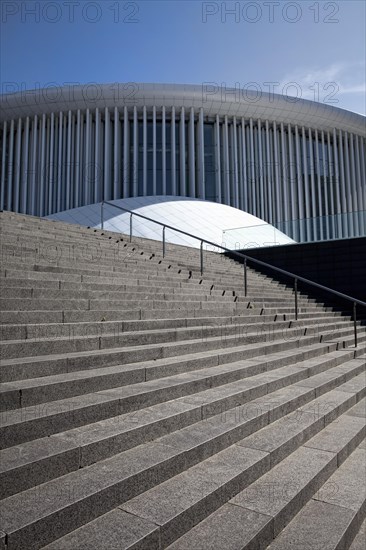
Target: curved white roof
point(217, 223)
point(214, 100)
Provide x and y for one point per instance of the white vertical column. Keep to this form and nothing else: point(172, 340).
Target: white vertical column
point(362, 188)
point(359, 189)
point(325, 176)
point(77, 160)
point(223, 175)
point(173, 153)
point(182, 155)
point(55, 168)
point(68, 162)
point(116, 155)
point(47, 165)
point(264, 164)
point(135, 153)
point(343, 187)
point(126, 154)
point(42, 169)
point(319, 189)
point(331, 198)
point(226, 161)
point(98, 191)
point(292, 187)
point(192, 175)
point(347, 173)
point(18, 148)
point(9, 197)
point(262, 207)
point(235, 198)
point(271, 171)
point(312, 181)
point(3, 166)
point(363, 170)
point(163, 149)
point(51, 162)
point(82, 156)
point(240, 168)
point(326, 181)
point(268, 175)
point(285, 193)
point(245, 204)
point(64, 163)
point(217, 159)
point(201, 157)
point(107, 184)
point(154, 151)
point(349, 218)
point(231, 162)
point(306, 183)
point(300, 200)
point(144, 151)
point(72, 166)
point(256, 180)
point(337, 187)
point(353, 187)
point(278, 194)
point(34, 145)
point(252, 203)
point(87, 176)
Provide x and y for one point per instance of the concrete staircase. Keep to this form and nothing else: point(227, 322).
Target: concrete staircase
point(145, 406)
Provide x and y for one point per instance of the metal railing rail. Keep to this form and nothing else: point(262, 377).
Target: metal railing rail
point(245, 259)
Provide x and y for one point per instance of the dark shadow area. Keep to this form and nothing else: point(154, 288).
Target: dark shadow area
point(339, 265)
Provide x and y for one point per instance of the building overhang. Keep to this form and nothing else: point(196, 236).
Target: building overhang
point(214, 99)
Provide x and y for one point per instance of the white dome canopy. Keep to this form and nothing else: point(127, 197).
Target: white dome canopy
point(214, 222)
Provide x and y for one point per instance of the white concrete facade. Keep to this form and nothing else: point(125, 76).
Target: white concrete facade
point(277, 158)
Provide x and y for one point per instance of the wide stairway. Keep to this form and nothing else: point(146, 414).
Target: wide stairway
point(145, 406)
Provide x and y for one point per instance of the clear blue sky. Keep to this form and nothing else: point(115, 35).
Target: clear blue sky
point(318, 45)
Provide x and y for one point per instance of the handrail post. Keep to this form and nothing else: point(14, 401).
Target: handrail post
point(245, 278)
point(102, 214)
point(164, 241)
point(201, 255)
point(296, 278)
point(296, 308)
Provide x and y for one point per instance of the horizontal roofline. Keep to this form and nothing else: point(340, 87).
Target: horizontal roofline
point(215, 100)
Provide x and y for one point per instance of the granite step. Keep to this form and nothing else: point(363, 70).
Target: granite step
point(257, 515)
point(158, 478)
point(333, 516)
point(219, 350)
point(230, 310)
point(25, 424)
point(22, 393)
point(38, 344)
point(39, 461)
point(58, 330)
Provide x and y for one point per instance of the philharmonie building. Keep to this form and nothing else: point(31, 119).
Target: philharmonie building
point(296, 164)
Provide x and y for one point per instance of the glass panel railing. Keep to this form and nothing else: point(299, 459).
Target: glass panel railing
point(254, 236)
point(324, 228)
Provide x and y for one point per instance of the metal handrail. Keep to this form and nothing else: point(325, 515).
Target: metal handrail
point(245, 259)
